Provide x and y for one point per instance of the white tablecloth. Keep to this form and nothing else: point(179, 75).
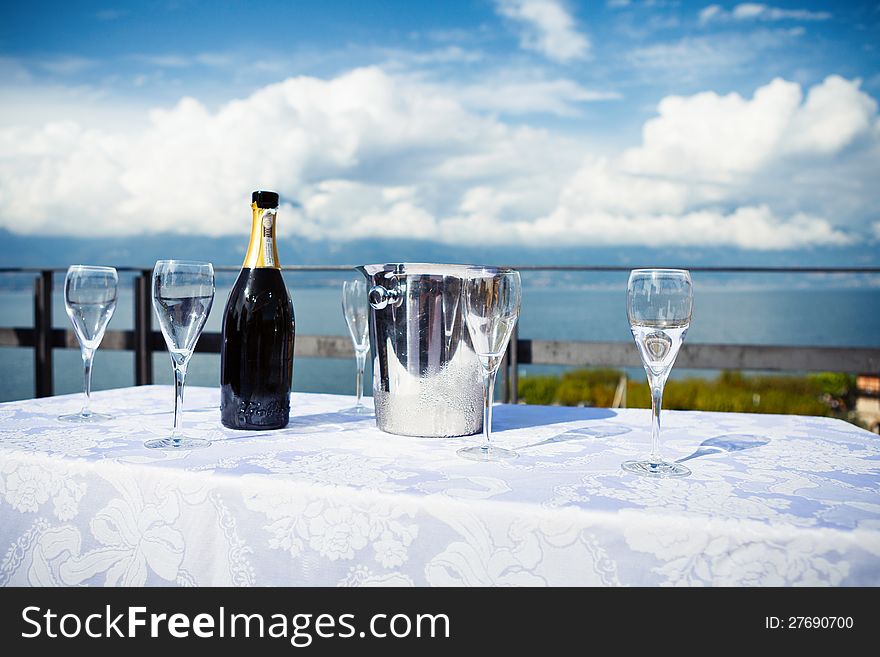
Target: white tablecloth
point(331, 500)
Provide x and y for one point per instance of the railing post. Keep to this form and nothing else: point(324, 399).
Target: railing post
point(43, 334)
point(508, 390)
point(143, 329)
point(505, 385)
point(513, 366)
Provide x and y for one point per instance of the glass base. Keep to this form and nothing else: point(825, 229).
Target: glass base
point(363, 411)
point(660, 469)
point(177, 443)
point(490, 453)
point(85, 418)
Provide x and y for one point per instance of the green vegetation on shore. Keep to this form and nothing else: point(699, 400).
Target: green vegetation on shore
point(827, 394)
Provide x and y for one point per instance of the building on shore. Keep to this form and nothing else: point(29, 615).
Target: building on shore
point(868, 401)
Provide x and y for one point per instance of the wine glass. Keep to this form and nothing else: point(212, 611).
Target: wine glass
point(90, 299)
point(354, 307)
point(183, 292)
point(492, 298)
point(659, 303)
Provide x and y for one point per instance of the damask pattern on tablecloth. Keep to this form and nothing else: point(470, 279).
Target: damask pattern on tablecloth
point(331, 500)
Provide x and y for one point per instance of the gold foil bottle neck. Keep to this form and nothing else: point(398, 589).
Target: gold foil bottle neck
point(262, 249)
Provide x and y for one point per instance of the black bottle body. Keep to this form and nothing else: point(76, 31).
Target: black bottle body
point(256, 352)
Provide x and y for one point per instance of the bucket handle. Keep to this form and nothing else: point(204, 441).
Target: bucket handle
point(382, 297)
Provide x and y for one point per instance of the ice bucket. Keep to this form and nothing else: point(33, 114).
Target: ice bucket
point(426, 376)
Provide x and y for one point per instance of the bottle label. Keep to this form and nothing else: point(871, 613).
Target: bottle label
point(268, 246)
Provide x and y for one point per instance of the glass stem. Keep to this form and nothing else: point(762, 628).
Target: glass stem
point(179, 380)
point(488, 398)
point(361, 357)
point(656, 404)
point(88, 355)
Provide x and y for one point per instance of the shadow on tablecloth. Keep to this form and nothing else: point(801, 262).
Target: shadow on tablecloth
point(521, 416)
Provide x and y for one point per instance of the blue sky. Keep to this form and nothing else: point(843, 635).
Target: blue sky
point(542, 122)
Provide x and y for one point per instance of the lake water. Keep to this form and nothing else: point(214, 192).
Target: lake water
point(724, 313)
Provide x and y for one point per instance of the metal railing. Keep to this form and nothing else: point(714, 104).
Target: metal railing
point(143, 340)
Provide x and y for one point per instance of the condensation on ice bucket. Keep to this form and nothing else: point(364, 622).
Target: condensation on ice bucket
point(426, 376)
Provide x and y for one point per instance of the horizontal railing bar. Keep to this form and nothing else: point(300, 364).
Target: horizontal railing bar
point(223, 268)
point(324, 346)
point(37, 270)
point(17, 337)
point(572, 268)
point(542, 352)
point(766, 357)
point(329, 268)
point(722, 270)
point(307, 346)
point(704, 356)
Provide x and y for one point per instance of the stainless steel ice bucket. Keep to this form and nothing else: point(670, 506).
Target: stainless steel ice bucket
point(426, 377)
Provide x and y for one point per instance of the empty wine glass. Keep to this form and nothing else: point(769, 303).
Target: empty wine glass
point(659, 303)
point(183, 292)
point(492, 298)
point(354, 308)
point(90, 299)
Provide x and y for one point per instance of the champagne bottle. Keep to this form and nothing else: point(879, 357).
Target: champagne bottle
point(256, 351)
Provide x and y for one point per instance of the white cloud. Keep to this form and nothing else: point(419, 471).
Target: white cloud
point(708, 152)
point(67, 64)
point(165, 61)
point(367, 154)
point(711, 12)
point(452, 54)
point(177, 61)
point(547, 27)
point(751, 227)
point(692, 57)
point(716, 138)
point(751, 11)
point(191, 170)
point(561, 96)
point(353, 209)
point(835, 114)
point(35, 105)
point(13, 70)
